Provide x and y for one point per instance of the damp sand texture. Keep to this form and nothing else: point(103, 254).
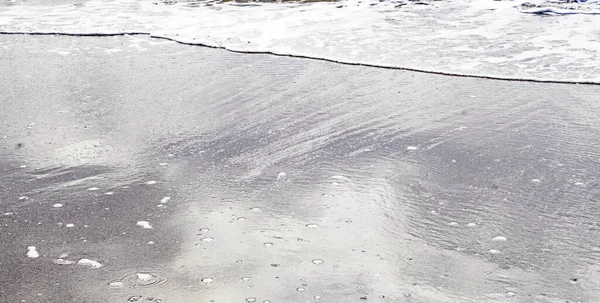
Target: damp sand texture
point(288, 180)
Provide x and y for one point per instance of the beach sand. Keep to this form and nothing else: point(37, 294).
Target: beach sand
point(142, 170)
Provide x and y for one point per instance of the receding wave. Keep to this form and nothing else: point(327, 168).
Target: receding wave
point(489, 39)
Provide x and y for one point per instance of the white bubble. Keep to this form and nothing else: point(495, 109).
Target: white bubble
point(245, 279)
point(117, 284)
point(207, 239)
point(499, 238)
point(144, 224)
point(312, 225)
point(151, 182)
point(23, 166)
point(165, 200)
point(511, 294)
point(453, 223)
point(90, 263)
point(63, 262)
point(150, 242)
point(163, 164)
point(251, 299)
point(57, 205)
point(70, 225)
point(93, 189)
point(256, 209)
point(241, 219)
point(32, 252)
point(268, 244)
point(204, 229)
point(300, 289)
point(471, 224)
point(109, 193)
point(317, 297)
point(317, 261)
point(23, 198)
point(536, 180)
point(494, 251)
point(281, 175)
point(143, 276)
point(412, 148)
point(207, 280)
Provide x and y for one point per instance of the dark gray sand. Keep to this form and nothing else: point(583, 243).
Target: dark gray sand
point(315, 181)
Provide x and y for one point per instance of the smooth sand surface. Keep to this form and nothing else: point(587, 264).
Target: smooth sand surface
point(147, 171)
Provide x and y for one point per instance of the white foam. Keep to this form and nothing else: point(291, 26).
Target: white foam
point(93, 189)
point(151, 182)
point(144, 276)
point(466, 37)
point(281, 175)
point(144, 224)
point(499, 239)
point(412, 148)
point(63, 262)
point(32, 252)
point(70, 225)
point(57, 205)
point(165, 200)
point(90, 263)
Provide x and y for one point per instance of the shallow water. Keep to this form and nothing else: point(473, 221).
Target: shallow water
point(288, 180)
point(463, 37)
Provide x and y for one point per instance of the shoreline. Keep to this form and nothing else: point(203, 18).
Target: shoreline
point(499, 78)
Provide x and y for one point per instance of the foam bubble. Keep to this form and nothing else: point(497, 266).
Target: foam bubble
point(499, 239)
point(453, 224)
point(281, 175)
point(144, 277)
point(93, 189)
point(318, 298)
point(90, 263)
point(207, 280)
point(268, 244)
point(117, 284)
point(151, 182)
point(412, 148)
point(312, 225)
point(317, 261)
point(300, 289)
point(245, 279)
point(57, 205)
point(494, 251)
point(32, 252)
point(165, 200)
point(251, 299)
point(144, 224)
point(207, 239)
point(471, 224)
point(70, 225)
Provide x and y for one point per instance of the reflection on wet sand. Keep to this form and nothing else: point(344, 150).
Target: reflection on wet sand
point(183, 174)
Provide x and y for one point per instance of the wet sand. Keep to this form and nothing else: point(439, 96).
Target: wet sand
point(288, 180)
